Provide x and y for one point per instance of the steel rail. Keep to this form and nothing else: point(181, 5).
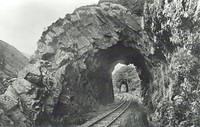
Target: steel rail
point(120, 106)
point(120, 114)
point(119, 109)
point(107, 114)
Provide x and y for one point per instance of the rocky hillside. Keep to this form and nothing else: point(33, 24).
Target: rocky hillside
point(11, 61)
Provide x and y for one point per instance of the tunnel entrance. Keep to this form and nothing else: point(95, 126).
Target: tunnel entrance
point(124, 88)
point(103, 63)
point(125, 78)
point(94, 85)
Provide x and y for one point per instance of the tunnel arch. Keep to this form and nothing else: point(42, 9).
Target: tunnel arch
point(126, 87)
point(105, 60)
point(92, 84)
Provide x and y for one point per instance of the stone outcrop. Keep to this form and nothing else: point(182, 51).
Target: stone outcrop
point(31, 94)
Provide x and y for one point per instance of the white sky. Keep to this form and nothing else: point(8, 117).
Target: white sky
point(23, 21)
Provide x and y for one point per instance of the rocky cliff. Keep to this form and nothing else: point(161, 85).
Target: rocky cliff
point(70, 73)
point(173, 27)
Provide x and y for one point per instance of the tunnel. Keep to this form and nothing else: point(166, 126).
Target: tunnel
point(84, 89)
point(101, 65)
point(124, 87)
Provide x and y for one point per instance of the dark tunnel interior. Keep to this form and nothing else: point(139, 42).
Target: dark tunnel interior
point(102, 64)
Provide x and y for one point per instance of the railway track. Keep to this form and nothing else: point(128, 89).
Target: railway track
point(109, 118)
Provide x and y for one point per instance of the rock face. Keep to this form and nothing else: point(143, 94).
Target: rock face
point(71, 70)
point(173, 26)
point(11, 61)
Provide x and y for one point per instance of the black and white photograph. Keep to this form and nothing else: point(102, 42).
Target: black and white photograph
point(99, 63)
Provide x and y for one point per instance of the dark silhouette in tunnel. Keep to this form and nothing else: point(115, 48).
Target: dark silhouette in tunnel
point(124, 84)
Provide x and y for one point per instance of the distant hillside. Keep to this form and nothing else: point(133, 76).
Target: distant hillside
point(11, 61)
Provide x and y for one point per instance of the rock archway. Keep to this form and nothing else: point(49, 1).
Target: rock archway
point(85, 46)
point(124, 88)
point(102, 63)
point(93, 85)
